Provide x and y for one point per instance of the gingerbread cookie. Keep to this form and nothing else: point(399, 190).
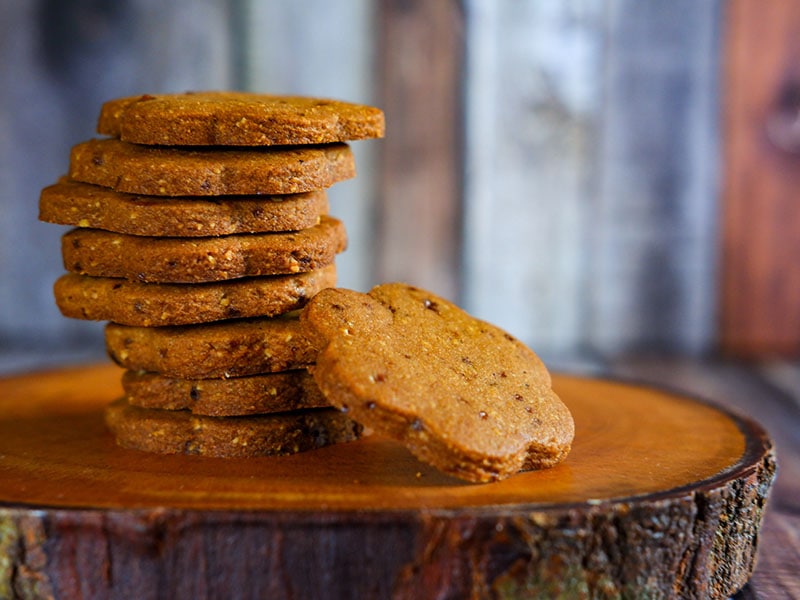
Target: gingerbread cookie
point(157, 304)
point(221, 349)
point(164, 171)
point(85, 205)
point(237, 119)
point(196, 260)
point(461, 394)
point(181, 432)
point(237, 396)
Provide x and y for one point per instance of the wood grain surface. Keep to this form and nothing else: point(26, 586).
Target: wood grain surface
point(647, 466)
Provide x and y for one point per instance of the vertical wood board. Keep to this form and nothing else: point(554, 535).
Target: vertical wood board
point(419, 226)
point(760, 283)
point(326, 49)
point(533, 83)
point(654, 236)
point(60, 62)
point(591, 173)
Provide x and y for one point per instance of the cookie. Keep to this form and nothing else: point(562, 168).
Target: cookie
point(196, 260)
point(237, 396)
point(237, 118)
point(462, 394)
point(181, 432)
point(164, 171)
point(158, 304)
point(221, 349)
point(85, 205)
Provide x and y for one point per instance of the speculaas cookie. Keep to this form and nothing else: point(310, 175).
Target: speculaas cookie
point(221, 349)
point(461, 394)
point(175, 171)
point(237, 118)
point(237, 396)
point(157, 304)
point(79, 204)
point(181, 432)
point(196, 260)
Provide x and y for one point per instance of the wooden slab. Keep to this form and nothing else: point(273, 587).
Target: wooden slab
point(660, 495)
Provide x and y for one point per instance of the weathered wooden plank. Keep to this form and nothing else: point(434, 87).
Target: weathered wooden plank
point(60, 61)
point(590, 178)
point(419, 218)
point(653, 249)
point(533, 93)
point(323, 48)
point(760, 301)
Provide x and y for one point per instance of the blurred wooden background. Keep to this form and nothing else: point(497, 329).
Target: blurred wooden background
point(602, 178)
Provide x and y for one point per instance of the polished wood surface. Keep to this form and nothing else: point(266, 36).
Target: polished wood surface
point(770, 392)
point(654, 482)
point(629, 441)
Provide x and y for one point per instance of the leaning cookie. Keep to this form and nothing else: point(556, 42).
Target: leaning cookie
point(237, 119)
point(181, 432)
point(460, 393)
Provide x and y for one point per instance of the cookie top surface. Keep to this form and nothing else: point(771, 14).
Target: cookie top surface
point(462, 394)
point(170, 171)
point(237, 119)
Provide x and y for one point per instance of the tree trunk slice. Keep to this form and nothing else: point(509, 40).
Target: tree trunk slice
point(662, 496)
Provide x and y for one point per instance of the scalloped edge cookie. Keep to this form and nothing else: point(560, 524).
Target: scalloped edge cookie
point(460, 393)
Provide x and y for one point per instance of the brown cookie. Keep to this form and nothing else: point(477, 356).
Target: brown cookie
point(163, 171)
point(158, 304)
point(85, 205)
point(237, 118)
point(181, 432)
point(237, 396)
point(462, 394)
point(196, 260)
point(221, 349)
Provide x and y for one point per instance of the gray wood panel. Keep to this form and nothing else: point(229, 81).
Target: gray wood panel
point(324, 48)
point(653, 279)
point(60, 60)
point(591, 173)
point(533, 91)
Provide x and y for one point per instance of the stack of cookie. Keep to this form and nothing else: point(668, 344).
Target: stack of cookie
point(202, 227)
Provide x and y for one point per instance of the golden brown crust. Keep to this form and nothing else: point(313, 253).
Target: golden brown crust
point(181, 432)
point(85, 205)
point(158, 304)
point(238, 396)
point(238, 119)
point(196, 260)
point(163, 171)
point(462, 394)
point(221, 349)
